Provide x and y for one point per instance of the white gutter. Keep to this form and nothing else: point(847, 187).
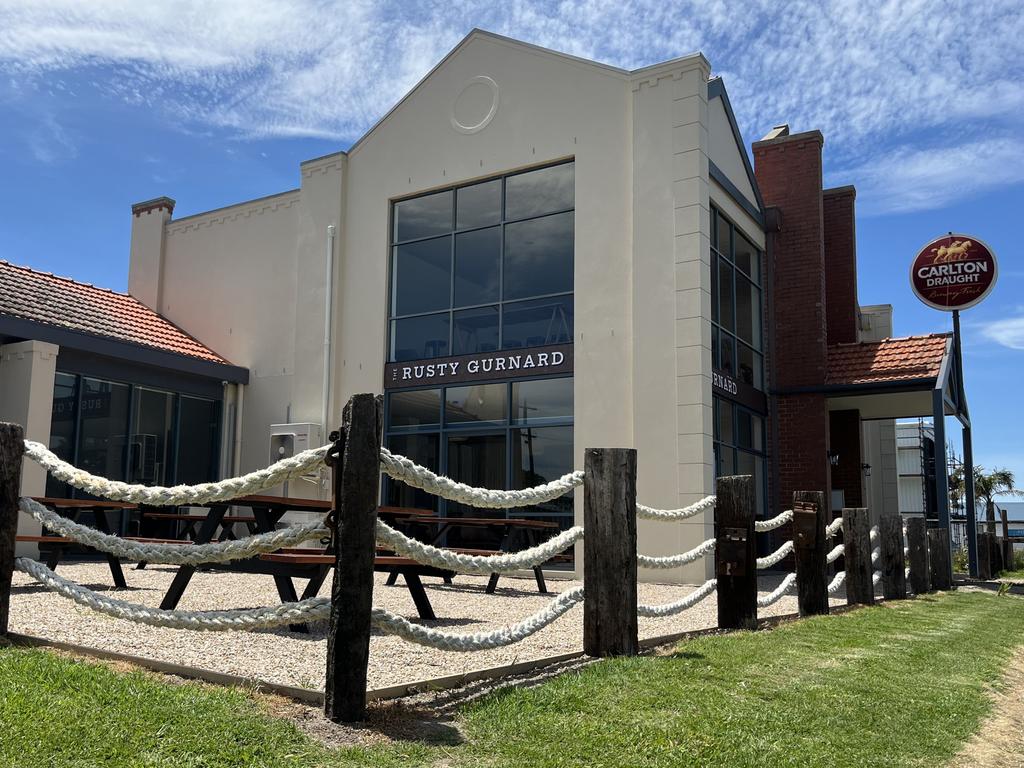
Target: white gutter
point(328, 314)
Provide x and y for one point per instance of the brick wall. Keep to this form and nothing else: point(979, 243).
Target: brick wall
point(844, 430)
point(840, 264)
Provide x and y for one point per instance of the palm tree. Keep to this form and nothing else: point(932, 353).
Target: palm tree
point(988, 485)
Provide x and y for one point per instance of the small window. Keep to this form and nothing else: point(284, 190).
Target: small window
point(725, 295)
point(423, 216)
point(748, 311)
point(422, 280)
point(424, 450)
point(723, 236)
point(537, 322)
point(478, 267)
point(727, 353)
point(476, 404)
point(541, 401)
point(542, 191)
point(416, 338)
point(748, 258)
point(475, 330)
point(415, 408)
point(539, 256)
point(749, 367)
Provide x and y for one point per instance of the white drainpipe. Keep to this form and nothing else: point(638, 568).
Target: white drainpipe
point(328, 307)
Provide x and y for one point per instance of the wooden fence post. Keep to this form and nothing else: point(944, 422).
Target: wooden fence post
point(917, 543)
point(12, 446)
point(984, 556)
point(857, 540)
point(1007, 544)
point(811, 549)
point(356, 479)
point(609, 552)
point(735, 553)
point(938, 557)
point(894, 574)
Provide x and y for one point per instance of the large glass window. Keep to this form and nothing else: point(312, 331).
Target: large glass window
point(739, 446)
point(736, 332)
point(503, 435)
point(484, 267)
point(128, 432)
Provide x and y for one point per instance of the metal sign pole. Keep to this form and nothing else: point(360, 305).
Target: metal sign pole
point(970, 510)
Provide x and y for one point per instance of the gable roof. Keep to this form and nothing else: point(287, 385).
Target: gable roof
point(50, 301)
point(912, 358)
point(755, 207)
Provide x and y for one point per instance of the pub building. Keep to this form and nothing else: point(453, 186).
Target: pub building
point(532, 254)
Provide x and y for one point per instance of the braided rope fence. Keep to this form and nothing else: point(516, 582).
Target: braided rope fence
point(609, 617)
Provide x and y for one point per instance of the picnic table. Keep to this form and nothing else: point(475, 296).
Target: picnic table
point(73, 509)
point(507, 527)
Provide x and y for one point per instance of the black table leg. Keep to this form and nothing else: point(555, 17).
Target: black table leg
point(492, 583)
point(314, 584)
point(392, 579)
point(419, 594)
point(531, 539)
point(54, 557)
point(103, 526)
point(286, 591)
point(184, 574)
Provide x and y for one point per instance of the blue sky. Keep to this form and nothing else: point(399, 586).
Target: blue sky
point(108, 103)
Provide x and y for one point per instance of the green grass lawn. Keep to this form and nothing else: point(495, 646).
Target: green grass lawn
point(897, 685)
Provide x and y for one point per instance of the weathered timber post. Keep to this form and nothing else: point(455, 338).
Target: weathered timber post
point(894, 574)
point(609, 552)
point(355, 459)
point(735, 553)
point(985, 556)
point(811, 549)
point(1007, 544)
point(996, 556)
point(917, 543)
point(938, 557)
point(12, 446)
point(857, 541)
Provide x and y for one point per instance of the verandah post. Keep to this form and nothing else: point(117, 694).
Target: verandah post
point(609, 553)
point(917, 543)
point(857, 553)
point(735, 553)
point(356, 478)
point(12, 447)
point(811, 550)
point(894, 574)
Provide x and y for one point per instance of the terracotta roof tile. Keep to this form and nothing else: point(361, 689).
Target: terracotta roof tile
point(905, 359)
point(66, 303)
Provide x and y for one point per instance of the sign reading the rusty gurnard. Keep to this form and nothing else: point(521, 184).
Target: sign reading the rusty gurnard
point(507, 364)
point(953, 272)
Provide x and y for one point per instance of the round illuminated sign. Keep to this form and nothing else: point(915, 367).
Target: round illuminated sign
point(954, 272)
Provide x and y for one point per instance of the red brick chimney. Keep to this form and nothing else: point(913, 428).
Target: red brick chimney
point(841, 305)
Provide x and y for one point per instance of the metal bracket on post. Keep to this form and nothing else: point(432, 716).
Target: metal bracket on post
point(732, 560)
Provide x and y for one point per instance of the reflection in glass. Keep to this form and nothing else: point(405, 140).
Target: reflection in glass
point(423, 449)
point(714, 288)
point(537, 322)
point(539, 256)
point(477, 460)
point(726, 411)
point(478, 267)
point(748, 258)
point(475, 404)
point(104, 427)
point(726, 348)
point(423, 216)
point(749, 367)
point(198, 422)
point(749, 464)
point(541, 401)
point(415, 408)
point(475, 330)
point(542, 191)
point(149, 449)
point(723, 236)
point(715, 362)
point(748, 312)
point(478, 205)
point(725, 295)
point(415, 338)
point(422, 276)
point(541, 455)
point(62, 429)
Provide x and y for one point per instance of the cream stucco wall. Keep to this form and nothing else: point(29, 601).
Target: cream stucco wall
point(248, 280)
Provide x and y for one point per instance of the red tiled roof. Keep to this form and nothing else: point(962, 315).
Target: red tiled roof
point(66, 303)
point(906, 359)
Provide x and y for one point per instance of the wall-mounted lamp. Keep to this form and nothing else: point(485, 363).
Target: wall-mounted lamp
point(867, 469)
point(833, 458)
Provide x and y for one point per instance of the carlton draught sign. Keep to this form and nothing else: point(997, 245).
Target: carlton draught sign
point(954, 272)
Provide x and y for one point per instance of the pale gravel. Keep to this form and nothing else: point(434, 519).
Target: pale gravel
point(288, 658)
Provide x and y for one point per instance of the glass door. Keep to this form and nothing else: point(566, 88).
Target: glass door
point(479, 460)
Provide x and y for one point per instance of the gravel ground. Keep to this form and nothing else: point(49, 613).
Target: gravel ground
point(289, 658)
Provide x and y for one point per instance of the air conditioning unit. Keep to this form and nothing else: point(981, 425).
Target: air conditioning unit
point(286, 440)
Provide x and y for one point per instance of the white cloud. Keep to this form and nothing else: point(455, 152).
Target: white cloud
point(1008, 332)
point(866, 75)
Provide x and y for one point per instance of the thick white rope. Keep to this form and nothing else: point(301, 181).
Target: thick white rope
point(650, 513)
point(763, 601)
point(480, 564)
point(674, 561)
point(762, 526)
point(670, 609)
point(906, 574)
point(312, 609)
point(837, 582)
point(834, 527)
point(409, 472)
point(173, 554)
point(391, 624)
point(876, 578)
point(775, 557)
point(876, 556)
point(873, 534)
point(223, 490)
point(835, 553)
